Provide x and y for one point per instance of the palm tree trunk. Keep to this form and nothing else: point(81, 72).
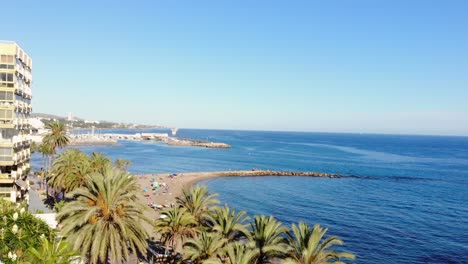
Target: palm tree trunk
point(47, 188)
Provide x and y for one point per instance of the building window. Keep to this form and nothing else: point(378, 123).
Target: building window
point(6, 77)
point(7, 66)
point(5, 151)
point(9, 85)
point(6, 114)
point(6, 96)
point(7, 59)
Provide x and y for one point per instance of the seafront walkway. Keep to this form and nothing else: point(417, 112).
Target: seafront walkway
point(35, 200)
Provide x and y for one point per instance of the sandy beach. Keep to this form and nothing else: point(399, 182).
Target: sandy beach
point(160, 190)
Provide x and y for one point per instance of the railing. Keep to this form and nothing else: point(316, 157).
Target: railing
point(6, 103)
point(18, 140)
point(20, 121)
point(7, 140)
point(20, 68)
point(28, 92)
point(6, 121)
point(28, 75)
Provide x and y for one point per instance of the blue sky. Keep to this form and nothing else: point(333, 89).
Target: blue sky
point(335, 66)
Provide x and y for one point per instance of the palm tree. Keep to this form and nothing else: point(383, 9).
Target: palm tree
point(55, 252)
point(310, 247)
point(122, 164)
point(34, 147)
point(267, 237)
point(99, 162)
point(197, 201)
point(57, 137)
point(228, 224)
point(208, 247)
point(238, 253)
point(70, 170)
point(105, 219)
point(176, 225)
point(47, 152)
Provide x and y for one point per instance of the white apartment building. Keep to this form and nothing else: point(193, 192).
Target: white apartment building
point(15, 108)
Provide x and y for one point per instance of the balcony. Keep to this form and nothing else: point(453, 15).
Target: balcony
point(19, 91)
point(27, 76)
point(7, 123)
point(18, 140)
point(6, 104)
point(27, 93)
point(6, 142)
point(20, 69)
point(20, 122)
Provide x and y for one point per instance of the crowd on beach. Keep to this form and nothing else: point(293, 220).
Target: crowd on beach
point(158, 190)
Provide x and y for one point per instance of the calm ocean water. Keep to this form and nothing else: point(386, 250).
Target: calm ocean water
point(407, 204)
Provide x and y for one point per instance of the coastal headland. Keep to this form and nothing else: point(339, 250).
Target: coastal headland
point(160, 190)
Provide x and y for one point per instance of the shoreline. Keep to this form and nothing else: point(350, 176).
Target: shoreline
point(171, 185)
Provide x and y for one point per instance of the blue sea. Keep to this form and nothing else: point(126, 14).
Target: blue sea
point(405, 200)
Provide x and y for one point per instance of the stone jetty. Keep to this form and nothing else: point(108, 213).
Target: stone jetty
point(195, 143)
point(247, 173)
point(250, 173)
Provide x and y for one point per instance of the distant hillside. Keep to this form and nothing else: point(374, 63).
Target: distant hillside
point(41, 115)
point(78, 123)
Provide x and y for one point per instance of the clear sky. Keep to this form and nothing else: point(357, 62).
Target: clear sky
point(335, 66)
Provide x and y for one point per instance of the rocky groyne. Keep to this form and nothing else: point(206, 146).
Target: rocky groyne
point(251, 173)
point(92, 142)
point(245, 173)
point(195, 143)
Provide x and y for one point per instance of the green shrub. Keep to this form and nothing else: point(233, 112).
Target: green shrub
point(19, 230)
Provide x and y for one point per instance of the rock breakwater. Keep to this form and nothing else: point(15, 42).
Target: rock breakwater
point(195, 143)
point(271, 173)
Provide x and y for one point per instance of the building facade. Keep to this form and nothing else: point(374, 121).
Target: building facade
point(15, 108)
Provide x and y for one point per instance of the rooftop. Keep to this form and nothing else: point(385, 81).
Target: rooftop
point(7, 42)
